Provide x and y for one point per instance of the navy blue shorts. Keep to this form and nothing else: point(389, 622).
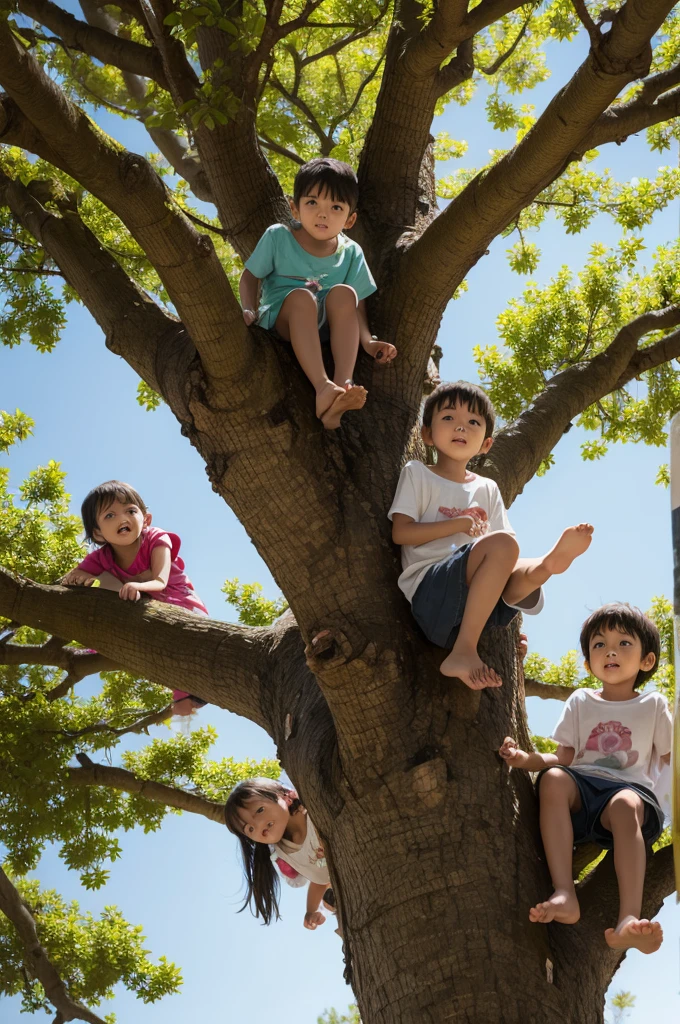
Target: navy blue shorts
point(595, 793)
point(439, 602)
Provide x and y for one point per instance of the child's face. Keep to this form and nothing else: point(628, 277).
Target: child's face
point(457, 433)
point(265, 821)
point(616, 658)
point(322, 216)
point(120, 523)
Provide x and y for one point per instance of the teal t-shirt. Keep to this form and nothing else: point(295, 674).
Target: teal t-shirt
point(281, 263)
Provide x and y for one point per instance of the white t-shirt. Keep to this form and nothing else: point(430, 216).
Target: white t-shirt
point(428, 498)
point(308, 858)
point(621, 739)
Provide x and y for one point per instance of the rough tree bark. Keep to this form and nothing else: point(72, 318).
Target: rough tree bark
point(434, 847)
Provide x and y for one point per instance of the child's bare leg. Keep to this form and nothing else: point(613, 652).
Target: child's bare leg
point(489, 564)
point(558, 797)
point(531, 573)
point(623, 816)
point(343, 320)
point(297, 323)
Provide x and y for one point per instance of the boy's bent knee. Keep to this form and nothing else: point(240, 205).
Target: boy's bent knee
point(300, 299)
point(502, 543)
point(625, 803)
point(555, 779)
point(341, 295)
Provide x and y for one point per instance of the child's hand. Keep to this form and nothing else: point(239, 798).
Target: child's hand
point(381, 351)
point(78, 578)
point(249, 317)
point(129, 592)
point(476, 528)
point(512, 755)
point(313, 918)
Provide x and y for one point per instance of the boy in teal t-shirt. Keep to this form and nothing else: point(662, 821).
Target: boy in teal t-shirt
point(316, 279)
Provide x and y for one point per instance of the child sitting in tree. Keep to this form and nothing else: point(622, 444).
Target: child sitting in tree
point(597, 786)
point(458, 552)
point(316, 279)
point(134, 558)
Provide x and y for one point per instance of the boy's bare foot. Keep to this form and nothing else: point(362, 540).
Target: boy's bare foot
point(632, 933)
point(561, 907)
point(470, 669)
point(326, 395)
point(353, 398)
point(573, 542)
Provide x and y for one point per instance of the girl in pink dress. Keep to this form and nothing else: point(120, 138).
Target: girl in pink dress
point(134, 558)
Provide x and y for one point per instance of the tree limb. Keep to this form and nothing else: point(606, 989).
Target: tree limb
point(520, 447)
point(17, 910)
point(77, 663)
point(547, 691)
point(624, 119)
point(135, 327)
point(127, 782)
point(156, 641)
point(98, 43)
point(130, 187)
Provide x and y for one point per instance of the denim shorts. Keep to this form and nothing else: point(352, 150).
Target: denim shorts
point(595, 793)
point(439, 602)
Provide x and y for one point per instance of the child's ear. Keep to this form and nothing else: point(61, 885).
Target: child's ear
point(351, 221)
point(586, 665)
point(147, 519)
point(488, 441)
point(98, 536)
point(293, 208)
point(648, 662)
point(426, 434)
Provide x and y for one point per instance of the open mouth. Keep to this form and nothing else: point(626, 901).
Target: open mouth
point(612, 664)
point(124, 529)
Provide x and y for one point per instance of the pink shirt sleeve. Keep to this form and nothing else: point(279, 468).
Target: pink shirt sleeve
point(159, 538)
point(94, 563)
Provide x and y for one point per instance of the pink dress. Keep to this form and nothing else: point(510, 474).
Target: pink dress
point(179, 591)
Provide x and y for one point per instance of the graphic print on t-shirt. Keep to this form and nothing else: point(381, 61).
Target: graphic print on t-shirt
point(614, 741)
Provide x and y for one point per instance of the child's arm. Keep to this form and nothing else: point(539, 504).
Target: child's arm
point(247, 289)
point(381, 351)
point(161, 560)
point(516, 758)
point(314, 917)
point(406, 530)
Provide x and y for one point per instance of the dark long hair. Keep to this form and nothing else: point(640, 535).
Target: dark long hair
point(262, 880)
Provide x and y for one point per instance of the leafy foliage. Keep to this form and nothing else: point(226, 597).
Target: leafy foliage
point(333, 1017)
point(566, 323)
point(92, 955)
point(253, 608)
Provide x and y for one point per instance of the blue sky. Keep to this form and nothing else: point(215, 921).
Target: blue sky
point(183, 883)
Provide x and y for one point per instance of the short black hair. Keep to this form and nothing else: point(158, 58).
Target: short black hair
point(629, 620)
point(460, 392)
point(328, 175)
point(101, 497)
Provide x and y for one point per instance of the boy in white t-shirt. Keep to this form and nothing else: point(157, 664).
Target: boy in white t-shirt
point(598, 786)
point(458, 551)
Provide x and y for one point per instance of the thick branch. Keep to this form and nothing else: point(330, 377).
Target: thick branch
point(127, 782)
point(98, 43)
point(15, 908)
point(134, 325)
point(166, 645)
point(547, 691)
point(440, 258)
point(130, 187)
point(624, 119)
point(520, 447)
